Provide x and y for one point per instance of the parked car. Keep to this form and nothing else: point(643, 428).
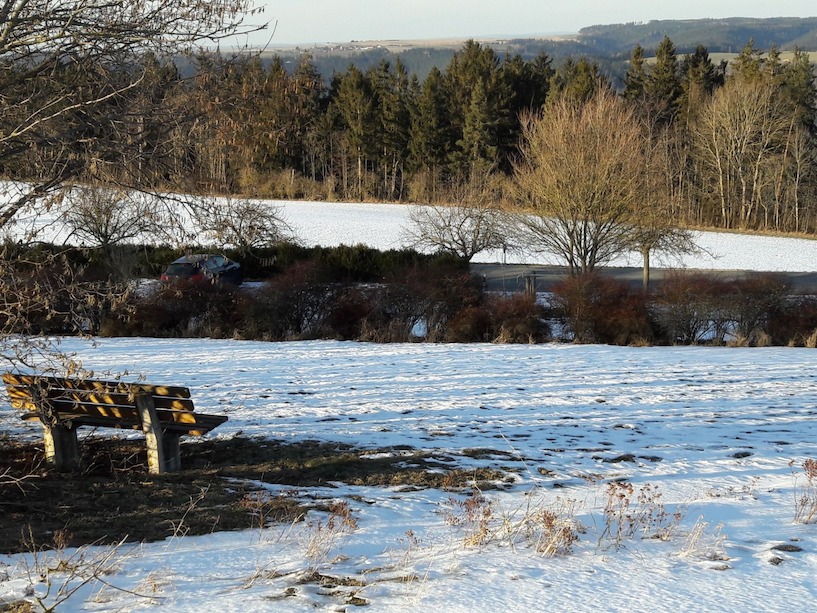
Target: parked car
point(204, 266)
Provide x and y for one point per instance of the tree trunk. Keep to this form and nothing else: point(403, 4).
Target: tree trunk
point(645, 273)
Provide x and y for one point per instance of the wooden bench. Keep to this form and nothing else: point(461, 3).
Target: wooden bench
point(164, 413)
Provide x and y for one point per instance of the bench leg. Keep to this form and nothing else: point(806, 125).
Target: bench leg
point(61, 447)
point(172, 452)
point(158, 441)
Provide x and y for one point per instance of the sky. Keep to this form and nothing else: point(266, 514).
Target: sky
point(319, 21)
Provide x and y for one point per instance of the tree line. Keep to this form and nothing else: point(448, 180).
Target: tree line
point(739, 141)
point(742, 142)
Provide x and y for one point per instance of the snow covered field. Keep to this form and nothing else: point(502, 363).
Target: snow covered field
point(719, 433)
point(712, 439)
point(382, 226)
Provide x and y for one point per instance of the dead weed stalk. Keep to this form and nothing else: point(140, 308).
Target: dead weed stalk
point(549, 527)
point(323, 535)
point(805, 495)
point(56, 576)
point(631, 511)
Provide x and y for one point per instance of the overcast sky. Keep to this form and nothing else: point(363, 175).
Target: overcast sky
point(317, 21)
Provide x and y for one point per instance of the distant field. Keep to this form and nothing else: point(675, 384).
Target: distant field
point(785, 56)
point(397, 46)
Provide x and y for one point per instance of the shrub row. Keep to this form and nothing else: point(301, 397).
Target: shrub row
point(686, 309)
point(358, 293)
point(341, 263)
point(437, 303)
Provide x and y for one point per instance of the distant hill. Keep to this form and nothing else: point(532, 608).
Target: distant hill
point(718, 35)
point(609, 45)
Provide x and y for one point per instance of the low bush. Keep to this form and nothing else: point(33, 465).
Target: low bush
point(184, 309)
point(795, 323)
point(696, 308)
point(507, 319)
point(598, 309)
point(686, 309)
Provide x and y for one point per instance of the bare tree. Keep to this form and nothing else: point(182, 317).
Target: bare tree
point(64, 66)
point(108, 219)
point(579, 180)
point(67, 70)
point(739, 136)
point(241, 223)
point(654, 226)
point(471, 224)
point(43, 294)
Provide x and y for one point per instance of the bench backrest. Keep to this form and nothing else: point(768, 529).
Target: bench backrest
point(94, 391)
point(65, 393)
point(104, 403)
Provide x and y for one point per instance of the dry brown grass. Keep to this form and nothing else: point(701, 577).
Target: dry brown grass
point(114, 498)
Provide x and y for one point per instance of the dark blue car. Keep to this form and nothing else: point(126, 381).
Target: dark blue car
point(204, 267)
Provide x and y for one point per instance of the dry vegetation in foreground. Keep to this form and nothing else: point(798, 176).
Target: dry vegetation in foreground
point(114, 498)
point(115, 501)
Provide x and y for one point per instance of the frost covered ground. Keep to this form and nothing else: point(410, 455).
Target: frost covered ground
point(712, 440)
point(716, 435)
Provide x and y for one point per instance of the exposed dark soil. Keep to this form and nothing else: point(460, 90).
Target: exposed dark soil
point(114, 498)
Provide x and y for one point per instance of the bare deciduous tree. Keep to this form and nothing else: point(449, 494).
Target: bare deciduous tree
point(64, 66)
point(471, 224)
point(241, 223)
point(739, 136)
point(102, 217)
point(45, 295)
point(107, 219)
point(66, 70)
point(579, 180)
point(654, 227)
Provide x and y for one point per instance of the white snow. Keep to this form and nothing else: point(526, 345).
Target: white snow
point(720, 433)
point(383, 226)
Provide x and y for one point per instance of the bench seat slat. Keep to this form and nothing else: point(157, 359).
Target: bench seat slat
point(21, 399)
point(11, 379)
point(106, 411)
point(202, 424)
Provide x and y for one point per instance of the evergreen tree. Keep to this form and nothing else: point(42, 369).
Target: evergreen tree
point(475, 73)
point(663, 84)
point(477, 149)
point(799, 92)
point(636, 77)
point(393, 97)
point(308, 99)
point(527, 84)
point(576, 81)
point(431, 130)
point(699, 78)
point(749, 62)
point(355, 105)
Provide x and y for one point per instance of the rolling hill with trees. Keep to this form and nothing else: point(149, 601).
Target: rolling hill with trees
point(608, 45)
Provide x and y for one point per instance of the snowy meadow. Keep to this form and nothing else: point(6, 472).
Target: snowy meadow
point(711, 439)
point(628, 479)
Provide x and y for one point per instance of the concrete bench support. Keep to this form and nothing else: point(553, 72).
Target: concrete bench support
point(164, 454)
point(61, 447)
